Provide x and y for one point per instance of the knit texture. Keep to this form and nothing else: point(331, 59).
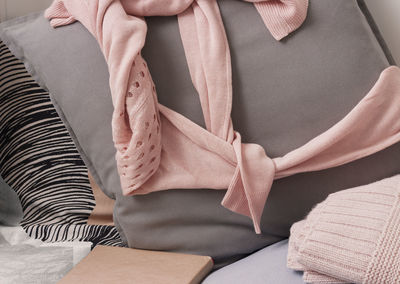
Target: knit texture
point(283, 18)
point(353, 236)
point(159, 149)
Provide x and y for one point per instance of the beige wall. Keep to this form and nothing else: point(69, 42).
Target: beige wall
point(385, 12)
point(13, 8)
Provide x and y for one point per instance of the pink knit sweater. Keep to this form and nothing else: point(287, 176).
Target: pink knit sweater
point(158, 149)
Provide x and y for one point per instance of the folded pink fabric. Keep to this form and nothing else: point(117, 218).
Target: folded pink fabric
point(159, 149)
point(352, 236)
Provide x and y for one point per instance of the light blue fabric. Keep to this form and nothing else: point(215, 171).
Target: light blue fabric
point(266, 266)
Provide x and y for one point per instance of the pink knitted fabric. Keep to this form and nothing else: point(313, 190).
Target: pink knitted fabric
point(159, 149)
point(353, 236)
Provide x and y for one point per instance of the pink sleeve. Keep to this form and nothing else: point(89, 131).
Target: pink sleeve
point(135, 121)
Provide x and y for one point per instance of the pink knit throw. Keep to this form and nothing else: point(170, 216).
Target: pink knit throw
point(159, 149)
point(350, 237)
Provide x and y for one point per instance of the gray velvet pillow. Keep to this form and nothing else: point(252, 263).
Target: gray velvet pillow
point(10, 206)
point(315, 77)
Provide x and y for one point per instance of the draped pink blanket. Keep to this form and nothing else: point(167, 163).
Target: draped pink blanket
point(159, 149)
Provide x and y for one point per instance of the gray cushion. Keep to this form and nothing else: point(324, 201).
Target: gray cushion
point(315, 77)
point(10, 206)
point(266, 266)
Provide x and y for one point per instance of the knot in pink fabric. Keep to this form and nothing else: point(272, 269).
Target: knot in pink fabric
point(159, 149)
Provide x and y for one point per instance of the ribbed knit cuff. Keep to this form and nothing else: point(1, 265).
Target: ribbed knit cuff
point(58, 14)
point(283, 18)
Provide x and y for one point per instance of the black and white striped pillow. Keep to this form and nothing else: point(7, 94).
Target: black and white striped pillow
point(39, 160)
